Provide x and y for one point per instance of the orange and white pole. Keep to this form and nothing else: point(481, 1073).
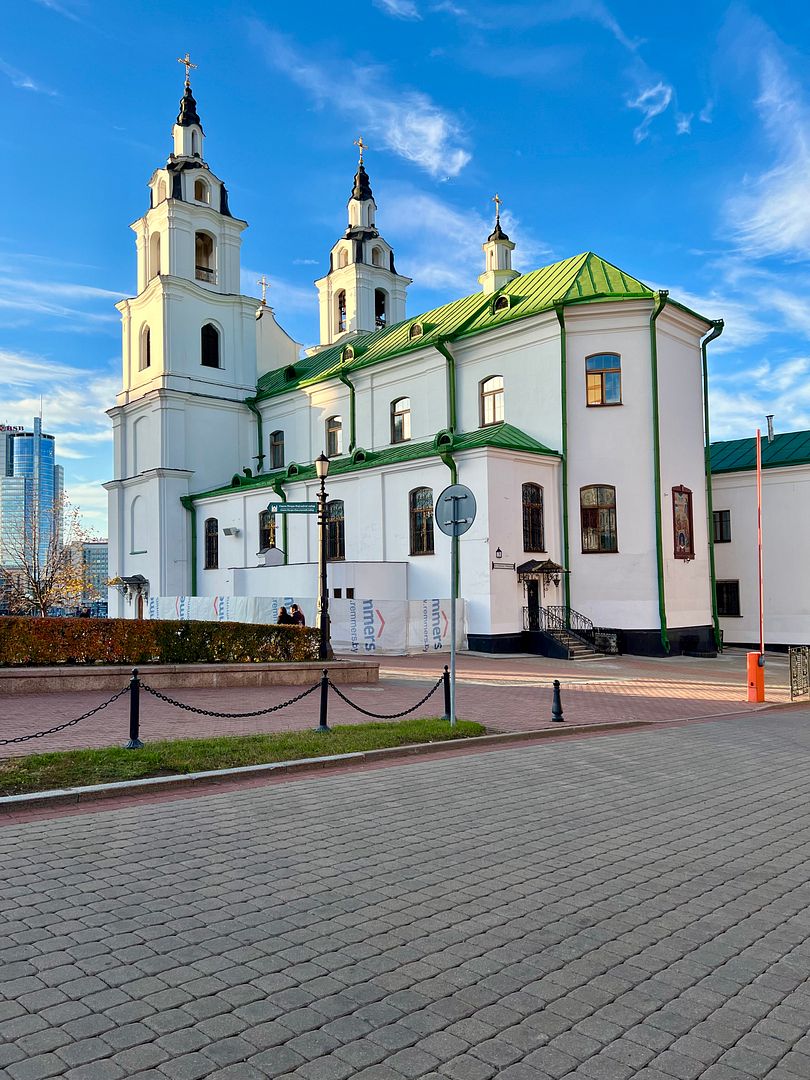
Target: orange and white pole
point(756, 661)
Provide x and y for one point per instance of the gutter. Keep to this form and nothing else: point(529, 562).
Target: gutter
point(278, 487)
point(188, 503)
point(251, 404)
point(441, 346)
point(344, 378)
point(717, 330)
point(560, 313)
point(658, 307)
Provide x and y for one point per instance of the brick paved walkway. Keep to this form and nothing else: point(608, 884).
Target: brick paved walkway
point(506, 694)
point(624, 907)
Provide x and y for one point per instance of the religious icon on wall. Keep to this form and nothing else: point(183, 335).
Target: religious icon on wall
point(682, 523)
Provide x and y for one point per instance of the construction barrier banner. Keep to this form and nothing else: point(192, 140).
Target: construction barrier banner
point(359, 627)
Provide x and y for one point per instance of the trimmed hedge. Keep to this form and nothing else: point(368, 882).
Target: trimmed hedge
point(47, 641)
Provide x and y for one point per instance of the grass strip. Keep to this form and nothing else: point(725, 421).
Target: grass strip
point(78, 768)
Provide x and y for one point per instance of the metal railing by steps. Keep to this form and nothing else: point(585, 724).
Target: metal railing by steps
point(574, 631)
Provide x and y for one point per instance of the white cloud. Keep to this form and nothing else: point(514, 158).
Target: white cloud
point(282, 296)
point(683, 123)
point(83, 307)
point(399, 9)
point(651, 102)
point(405, 121)
point(706, 114)
point(781, 389)
point(60, 9)
point(24, 82)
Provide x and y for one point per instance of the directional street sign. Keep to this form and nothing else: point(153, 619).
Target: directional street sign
point(293, 508)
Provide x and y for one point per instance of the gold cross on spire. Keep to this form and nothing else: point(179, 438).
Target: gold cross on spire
point(265, 284)
point(187, 61)
point(498, 201)
point(363, 147)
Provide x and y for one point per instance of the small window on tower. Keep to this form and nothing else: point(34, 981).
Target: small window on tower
point(202, 193)
point(340, 300)
point(195, 144)
point(209, 346)
point(380, 308)
point(146, 349)
point(376, 257)
point(154, 255)
point(502, 303)
point(343, 258)
point(204, 258)
point(160, 192)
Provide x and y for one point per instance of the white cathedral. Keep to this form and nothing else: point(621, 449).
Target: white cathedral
point(571, 399)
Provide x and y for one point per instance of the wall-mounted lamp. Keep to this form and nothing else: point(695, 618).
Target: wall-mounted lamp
point(498, 553)
point(231, 530)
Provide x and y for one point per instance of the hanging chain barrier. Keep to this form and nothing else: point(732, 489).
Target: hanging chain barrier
point(229, 715)
point(388, 716)
point(68, 723)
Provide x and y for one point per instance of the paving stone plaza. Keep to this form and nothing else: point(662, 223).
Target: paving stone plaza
point(631, 905)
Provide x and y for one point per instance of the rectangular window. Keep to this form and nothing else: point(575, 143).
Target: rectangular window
point(603, 378)
point(722, 526)
point(337, 593)
point(598, 519)
point(728, 599)
point(350, 594)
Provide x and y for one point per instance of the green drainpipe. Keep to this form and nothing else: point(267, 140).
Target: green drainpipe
point(344, 378)
point(447, 458)
point(717, 330)
point(441, 345)
point(251, 404)
point(658, 307)
point(188, 503)
point(560, 312)
point(278, 487)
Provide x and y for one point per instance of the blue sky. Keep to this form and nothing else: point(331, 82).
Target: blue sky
point(673, 141)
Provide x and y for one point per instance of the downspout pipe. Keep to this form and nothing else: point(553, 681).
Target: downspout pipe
point(560, 313)
point(441, 345)
point(447, 458)
point(658, 306)
point(278, 487)
point(716, 331)
point(188, 503)
point(344, 378)
point(251, 404)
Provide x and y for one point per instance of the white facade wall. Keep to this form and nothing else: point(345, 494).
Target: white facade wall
point(785, 529)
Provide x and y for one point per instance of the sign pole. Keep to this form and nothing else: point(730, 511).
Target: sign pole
point(447, 516)
point(453, 599)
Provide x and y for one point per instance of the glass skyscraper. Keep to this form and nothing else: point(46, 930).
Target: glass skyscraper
point(31, 488)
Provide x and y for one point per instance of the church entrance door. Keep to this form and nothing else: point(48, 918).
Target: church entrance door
point(533, 604)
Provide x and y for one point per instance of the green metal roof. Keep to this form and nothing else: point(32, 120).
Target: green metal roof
point(499, 436)
point(584, 278)
point(791, 448)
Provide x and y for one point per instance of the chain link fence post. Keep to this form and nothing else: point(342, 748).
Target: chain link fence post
point(556, 705)
point(446, 681)
point(134, 712)
point(323, 726)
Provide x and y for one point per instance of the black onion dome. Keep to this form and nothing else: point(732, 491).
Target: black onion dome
point(497, 233)
point(188, 114)
point(362, 185)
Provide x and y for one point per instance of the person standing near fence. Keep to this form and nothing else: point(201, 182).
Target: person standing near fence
point(284, 617)
point(298, 616)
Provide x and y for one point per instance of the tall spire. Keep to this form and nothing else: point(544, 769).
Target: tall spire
point(497, 233)
point(498, 250)
point(188, 106)
point(362, 184)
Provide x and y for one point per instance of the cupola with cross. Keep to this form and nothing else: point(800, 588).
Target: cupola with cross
point(362, 291)
point(498, 255)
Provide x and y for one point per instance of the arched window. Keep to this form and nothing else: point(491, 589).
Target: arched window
point(276, 449)
point(421, 512)
point(597, 507)
point(416, 331)
point(137, 527)
point(202, 192)
point(209, 346)
point(334, 436)
point(343, 257)
point(211, 544)
point(160, 192)
point(401, 420)
point(145, 358)
point(533, 531)
point(204, 267)
point(603, 378)
point(492, 401)
point(195, 144)
point(380, 308)
point(335, 531)
point(376, 256)
point(154, 255)
point(267, 530)
point(502, 304)
point(340, 301)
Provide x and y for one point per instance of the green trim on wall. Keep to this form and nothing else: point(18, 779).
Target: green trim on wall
point(344, 378)
point(188, 503)
point(658, 307)
point(251, 404)
point(717, 330)
point(560, 313)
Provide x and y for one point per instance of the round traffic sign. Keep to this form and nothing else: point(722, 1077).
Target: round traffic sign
point(455, 510)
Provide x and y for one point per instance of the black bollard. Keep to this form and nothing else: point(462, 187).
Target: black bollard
point(446, 681)
point(323, 726)
point(556, 705)
point(134, 712)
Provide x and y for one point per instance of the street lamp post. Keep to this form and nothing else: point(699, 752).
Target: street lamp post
point(322, 470)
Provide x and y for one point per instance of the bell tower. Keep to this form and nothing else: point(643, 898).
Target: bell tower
point(498, 255)
point(362, 291)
